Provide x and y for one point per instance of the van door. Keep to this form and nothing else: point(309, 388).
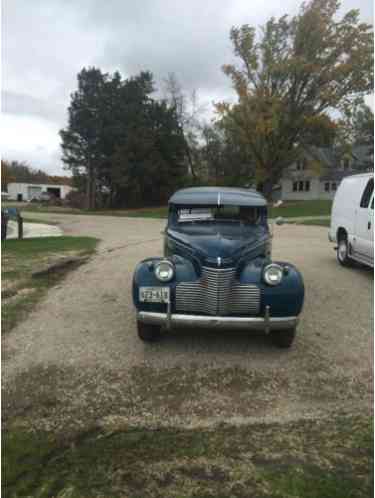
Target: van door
point(363, 242)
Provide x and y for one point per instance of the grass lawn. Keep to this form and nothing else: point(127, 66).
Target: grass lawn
point(290, 209)
point(297, 209)
point(19, 258)
point(331, 458)
point(316, 222)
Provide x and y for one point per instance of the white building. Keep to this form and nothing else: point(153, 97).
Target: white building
point(29, 191)
point(319, 171)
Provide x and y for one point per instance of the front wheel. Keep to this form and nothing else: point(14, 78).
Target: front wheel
point(343, 252)
point(283, 338)
point(148, 333)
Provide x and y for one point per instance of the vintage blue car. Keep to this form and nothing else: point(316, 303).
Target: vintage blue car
point(217, 270)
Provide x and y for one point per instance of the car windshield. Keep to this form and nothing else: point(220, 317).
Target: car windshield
point(219, 214)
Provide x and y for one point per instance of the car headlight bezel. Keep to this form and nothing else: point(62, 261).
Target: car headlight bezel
point(169, 270)
point(277, 271)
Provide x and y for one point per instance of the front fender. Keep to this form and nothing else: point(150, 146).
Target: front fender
point(285, 299)
point(144, 276)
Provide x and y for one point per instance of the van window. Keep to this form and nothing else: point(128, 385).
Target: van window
point(367, 193)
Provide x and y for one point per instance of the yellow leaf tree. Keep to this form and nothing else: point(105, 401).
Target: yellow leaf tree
point(289, 79)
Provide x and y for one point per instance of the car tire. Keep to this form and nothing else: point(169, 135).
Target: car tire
point(283, 338)
point(148, 333)
point(343, 252)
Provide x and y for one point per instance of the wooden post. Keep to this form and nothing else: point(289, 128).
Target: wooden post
point(4, 225)
point(20, 227)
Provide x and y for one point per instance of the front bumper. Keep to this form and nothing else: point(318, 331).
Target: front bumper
point(266, 323)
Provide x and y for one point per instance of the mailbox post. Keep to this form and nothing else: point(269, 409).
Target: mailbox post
point(13, 213)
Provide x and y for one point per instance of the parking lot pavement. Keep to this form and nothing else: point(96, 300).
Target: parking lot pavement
point(77, 361)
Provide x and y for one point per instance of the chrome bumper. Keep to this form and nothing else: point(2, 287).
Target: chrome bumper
point(266, 323)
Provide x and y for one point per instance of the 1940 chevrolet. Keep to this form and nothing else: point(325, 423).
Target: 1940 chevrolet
point(217, 270)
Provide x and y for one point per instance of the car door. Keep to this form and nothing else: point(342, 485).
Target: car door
point(363, 242)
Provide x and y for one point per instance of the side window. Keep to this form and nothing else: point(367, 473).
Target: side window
point(367, 193)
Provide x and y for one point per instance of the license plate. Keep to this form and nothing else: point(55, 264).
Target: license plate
point(154, 294)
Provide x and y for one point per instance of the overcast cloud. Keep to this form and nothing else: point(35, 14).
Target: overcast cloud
point(45, 43)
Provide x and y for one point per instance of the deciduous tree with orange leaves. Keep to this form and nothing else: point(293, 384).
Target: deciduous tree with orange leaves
point(291, 77)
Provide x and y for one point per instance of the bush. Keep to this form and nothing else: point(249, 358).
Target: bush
point(75, 199)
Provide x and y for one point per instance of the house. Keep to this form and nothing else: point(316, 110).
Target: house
point(29, 191)
point(319, 171)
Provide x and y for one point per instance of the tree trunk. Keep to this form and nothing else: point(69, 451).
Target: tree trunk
point(90, 188)
point(267, 189)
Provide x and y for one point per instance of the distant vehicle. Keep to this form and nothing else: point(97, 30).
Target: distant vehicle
point(217, 270)
point(352, 220)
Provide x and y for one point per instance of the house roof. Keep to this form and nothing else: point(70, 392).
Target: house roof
point(217, 196)
point(337, 175)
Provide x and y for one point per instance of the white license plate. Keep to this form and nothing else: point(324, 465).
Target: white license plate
point(154, 294)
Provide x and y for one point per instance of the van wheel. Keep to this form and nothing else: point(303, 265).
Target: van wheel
point(148, 333)
point(283, 338)
point(343, 252)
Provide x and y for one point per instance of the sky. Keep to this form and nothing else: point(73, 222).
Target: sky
point(45, 43)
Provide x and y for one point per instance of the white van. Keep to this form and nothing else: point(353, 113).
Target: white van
point(352, 220)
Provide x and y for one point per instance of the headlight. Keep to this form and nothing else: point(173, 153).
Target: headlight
point(273, 274)
point(164, 270)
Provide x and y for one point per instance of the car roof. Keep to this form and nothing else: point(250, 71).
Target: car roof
point(217, 196)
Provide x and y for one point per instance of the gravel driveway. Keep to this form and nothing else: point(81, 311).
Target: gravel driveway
point(77, 362)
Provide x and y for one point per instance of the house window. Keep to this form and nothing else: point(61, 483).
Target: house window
point(333, 186)
point(307, 186)
point(300, 186)
point(295, 186)
point(326, 187)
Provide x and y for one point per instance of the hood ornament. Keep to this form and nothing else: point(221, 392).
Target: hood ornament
point(218, 261)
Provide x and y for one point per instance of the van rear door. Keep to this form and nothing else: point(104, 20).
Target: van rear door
point(363, 242)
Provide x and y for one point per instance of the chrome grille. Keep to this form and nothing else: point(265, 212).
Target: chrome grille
point(217, 293)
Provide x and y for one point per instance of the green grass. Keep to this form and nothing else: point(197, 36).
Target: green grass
point(305, 459)
point(290, 209)
point(20, 258)
point(316, 222)
point(31, 248)
point(297, 209)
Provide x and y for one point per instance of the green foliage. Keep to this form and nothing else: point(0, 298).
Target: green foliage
point(292, 78)
point(125, 147)
point(356, 127)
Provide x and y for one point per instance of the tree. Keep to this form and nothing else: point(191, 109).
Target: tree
point(227, 158)
point(120, 144)
point(188, 112)
point(149, 165)
point(292, 77)
point(81, 140)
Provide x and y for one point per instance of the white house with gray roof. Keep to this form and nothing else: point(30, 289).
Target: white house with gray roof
point(319, 171)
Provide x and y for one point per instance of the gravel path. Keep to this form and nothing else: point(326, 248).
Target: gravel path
point(77, 362)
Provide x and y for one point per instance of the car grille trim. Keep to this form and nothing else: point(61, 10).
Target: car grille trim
point(218, 292)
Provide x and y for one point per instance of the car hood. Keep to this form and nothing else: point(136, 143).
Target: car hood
point(219, 244)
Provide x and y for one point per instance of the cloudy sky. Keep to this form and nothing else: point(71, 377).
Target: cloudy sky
point(45, 43)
